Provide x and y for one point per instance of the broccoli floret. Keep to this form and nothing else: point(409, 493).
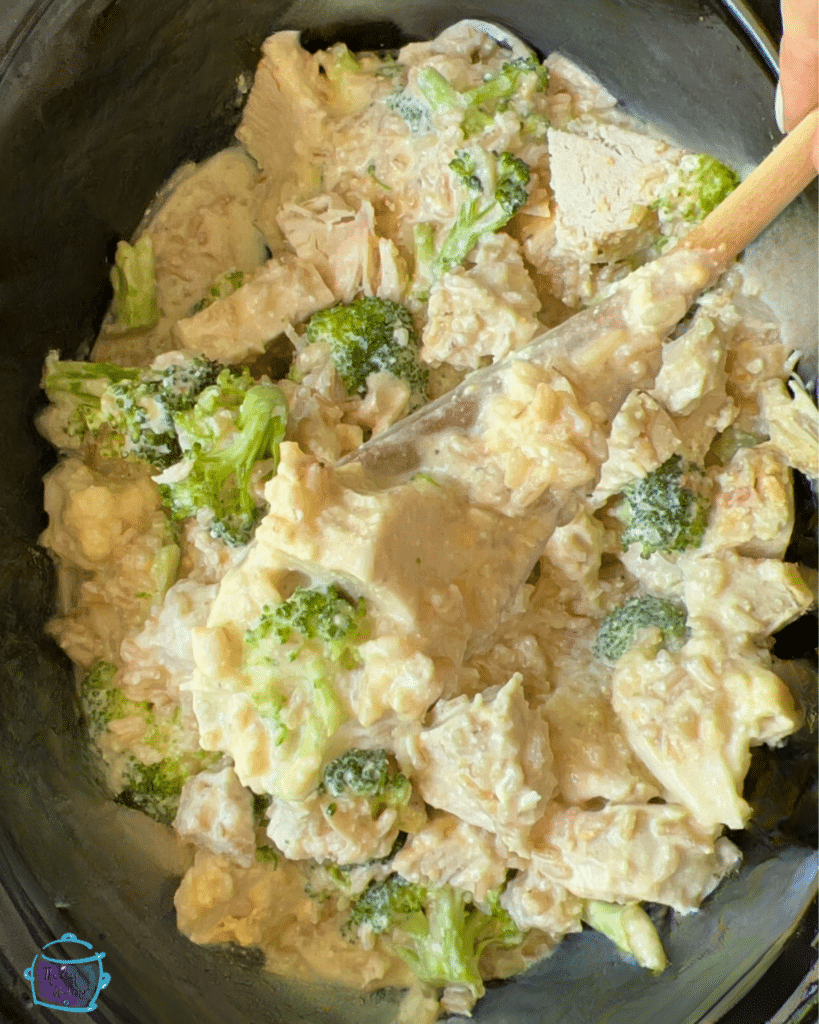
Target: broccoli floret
point(498, 92)
point(224, 285)
point(128, 411)
point(384, 905)
point(481, 104)
point(438, 931)
point(155, 789)
point(234, 425)
point(465, 166)
point(699, 185)
point(292, 657)
point(315, 613)
point(666, 510)
point(267, 855)
point(133, 278)
point(368, 335)
point(500, 182)
point(620, 626)
point(102, 702)
point(413, 110)
point(369, 774)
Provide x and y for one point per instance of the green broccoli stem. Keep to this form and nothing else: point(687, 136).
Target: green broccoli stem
point(220, 478)
point(443, 97)
point(133, 278)
point(472, 222)
point(444, 952)
point(258, 426)
point(81, 381)
point(437, 91)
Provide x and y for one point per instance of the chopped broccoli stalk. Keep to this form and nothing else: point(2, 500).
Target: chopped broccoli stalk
point(128, 411)
point(665, 510)
point(439, 94)
point(439, 932)
point(338, 62)
point(369, 774)
point(700, 184)
point(508, 81)
point(234, 425)
point(631, 929)
point(726, 444)
point(224, 285)
point(426, 270)
point(390, 68)
point(620, 627)
point(133, 278)
point(369, 335)
point(503, 192)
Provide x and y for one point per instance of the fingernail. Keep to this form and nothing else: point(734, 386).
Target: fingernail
point(778, 108)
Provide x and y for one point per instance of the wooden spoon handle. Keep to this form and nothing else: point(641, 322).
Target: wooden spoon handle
point(744, 214)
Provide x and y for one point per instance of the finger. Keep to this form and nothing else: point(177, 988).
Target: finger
point(799, 60)
point(800, 18)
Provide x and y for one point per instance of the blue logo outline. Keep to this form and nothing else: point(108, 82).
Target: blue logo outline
point(30, 974)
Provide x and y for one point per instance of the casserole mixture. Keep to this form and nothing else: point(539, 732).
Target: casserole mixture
point(415, 731)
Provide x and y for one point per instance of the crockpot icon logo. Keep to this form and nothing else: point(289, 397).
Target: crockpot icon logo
point(63, 981)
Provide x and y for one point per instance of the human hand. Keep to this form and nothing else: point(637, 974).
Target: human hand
point(798, 89)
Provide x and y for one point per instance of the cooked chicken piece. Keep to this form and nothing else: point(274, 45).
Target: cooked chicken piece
point(793, 424)
point(348, 835)
point(651, 852)
point(592, 757)
point(693, 365)
point(692, 717)
point(642, 437)
point(603, 186)
point(336, 238)
point(752, 510)
point(743, 599)
point(488, 761)
point(283, 127)
point(535, 901)
point(216, 813)
point(284, 292)
point(450, 851)
point(484, 311)
point(204, 229)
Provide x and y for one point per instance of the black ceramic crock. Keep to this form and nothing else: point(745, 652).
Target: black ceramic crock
point(99, 101)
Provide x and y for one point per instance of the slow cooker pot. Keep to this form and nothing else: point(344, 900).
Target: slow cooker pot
point(99, 101)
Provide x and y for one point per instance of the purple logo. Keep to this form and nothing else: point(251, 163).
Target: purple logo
point(65, 982)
